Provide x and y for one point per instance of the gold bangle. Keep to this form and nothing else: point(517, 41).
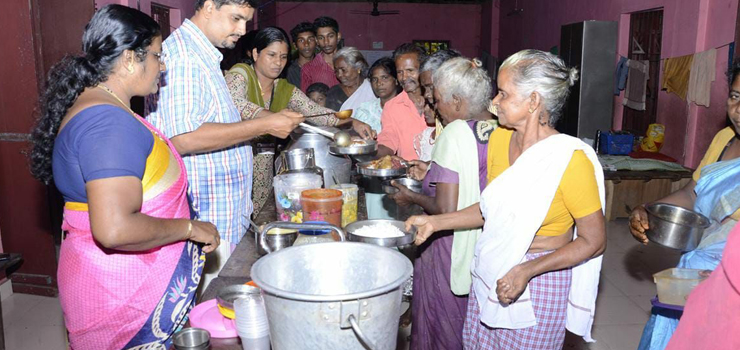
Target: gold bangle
point(190, 229)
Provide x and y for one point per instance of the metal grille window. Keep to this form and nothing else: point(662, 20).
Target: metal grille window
point(161, 15)
point(646, 35)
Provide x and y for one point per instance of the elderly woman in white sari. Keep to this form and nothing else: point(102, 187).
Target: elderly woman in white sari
point(353, 89)
point(533, 274)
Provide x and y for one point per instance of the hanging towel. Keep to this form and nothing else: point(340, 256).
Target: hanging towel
point(620, 75)
point(676, 75)
point(529, 186)
point(702, 76)
point(634, 94)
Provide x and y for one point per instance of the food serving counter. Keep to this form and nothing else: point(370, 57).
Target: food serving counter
point(238, 266)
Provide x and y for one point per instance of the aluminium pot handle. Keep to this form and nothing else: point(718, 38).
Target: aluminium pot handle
point(358, 331)
point(296, 226)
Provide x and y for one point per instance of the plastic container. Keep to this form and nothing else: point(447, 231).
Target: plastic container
point(311, 236)
point(675, 284)
point(288, 188)
point(322, 204)
point(617, 144)
point(349, 202)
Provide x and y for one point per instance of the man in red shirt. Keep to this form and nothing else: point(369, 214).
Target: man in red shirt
point(403, 116)
point(321, 68)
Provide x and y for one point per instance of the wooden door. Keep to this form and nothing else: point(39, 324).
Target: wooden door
point(36, 34)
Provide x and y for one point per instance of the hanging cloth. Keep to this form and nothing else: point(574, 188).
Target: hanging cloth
point(702, 75)
point(676, 75)
point(634, 94)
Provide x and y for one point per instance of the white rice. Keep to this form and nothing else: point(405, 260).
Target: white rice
point(379, 230)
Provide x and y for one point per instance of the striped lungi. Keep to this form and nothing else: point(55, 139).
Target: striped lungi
point(549, 293)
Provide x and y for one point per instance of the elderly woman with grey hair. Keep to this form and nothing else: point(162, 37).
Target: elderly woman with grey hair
point(353, 89)
point(529, 267)
point(456, 177)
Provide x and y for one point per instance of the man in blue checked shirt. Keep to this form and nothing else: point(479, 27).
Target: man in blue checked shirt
point(194, 109)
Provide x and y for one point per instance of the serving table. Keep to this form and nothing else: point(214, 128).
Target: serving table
point(238, 266)
point(627, 189)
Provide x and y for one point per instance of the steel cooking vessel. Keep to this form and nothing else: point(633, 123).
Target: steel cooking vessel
point(675, 227)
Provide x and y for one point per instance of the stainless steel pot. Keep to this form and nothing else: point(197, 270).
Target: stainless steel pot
point(333, 295)
point(275, 239)
point(293, 226)
point(297, 159)
point(675, 227)
point(336, 169)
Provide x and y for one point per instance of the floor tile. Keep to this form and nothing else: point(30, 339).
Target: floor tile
point(619, 337)
point(17, 305)
point(575, 342)
point(643, 302)
point(618, 311)
point(608, 289)
point(35, 337)
point(47, 312)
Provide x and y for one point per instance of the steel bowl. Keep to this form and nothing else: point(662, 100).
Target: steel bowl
point(675, 227)
point(226, 296)
point(363, 169)
point(391, 242)
point(411, 184)
point(369, 147)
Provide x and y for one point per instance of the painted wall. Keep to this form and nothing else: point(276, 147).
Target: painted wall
point(689, 26)
point(489, 27)
point(461, 24)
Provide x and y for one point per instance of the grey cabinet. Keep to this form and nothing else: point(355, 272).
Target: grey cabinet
point(591, 47)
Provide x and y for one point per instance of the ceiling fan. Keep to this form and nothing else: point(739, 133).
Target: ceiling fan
point(375, 12)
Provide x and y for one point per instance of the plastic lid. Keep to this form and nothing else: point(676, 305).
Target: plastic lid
point(313, 232)
point(321, 194)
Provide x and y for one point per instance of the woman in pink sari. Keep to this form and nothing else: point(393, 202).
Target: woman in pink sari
point(132, 257)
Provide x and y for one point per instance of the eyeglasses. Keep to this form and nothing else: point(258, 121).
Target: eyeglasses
point(160, 56)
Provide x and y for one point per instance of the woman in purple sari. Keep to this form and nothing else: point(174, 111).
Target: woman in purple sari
point(455, 179)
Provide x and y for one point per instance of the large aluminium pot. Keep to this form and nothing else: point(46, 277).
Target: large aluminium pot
point(340, 295)
point(336, 169)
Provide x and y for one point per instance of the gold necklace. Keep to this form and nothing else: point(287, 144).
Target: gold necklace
point(110, 92)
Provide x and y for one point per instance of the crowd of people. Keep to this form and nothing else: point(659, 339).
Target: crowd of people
point(513, 229)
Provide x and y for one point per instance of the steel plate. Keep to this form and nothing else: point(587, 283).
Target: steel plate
point(371, 146)
point(390, 242)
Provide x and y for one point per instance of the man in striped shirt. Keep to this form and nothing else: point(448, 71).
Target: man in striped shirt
point(321, 68)
point(194, 109)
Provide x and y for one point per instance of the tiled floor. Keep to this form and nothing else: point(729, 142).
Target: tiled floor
point(623, 306)
point(33, 323)
point(625, 290)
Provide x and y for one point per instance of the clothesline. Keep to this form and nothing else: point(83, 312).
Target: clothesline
point(715, 48)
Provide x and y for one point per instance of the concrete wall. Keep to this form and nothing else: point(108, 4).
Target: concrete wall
point(689, 26)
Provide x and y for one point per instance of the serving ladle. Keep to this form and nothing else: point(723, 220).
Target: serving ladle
point(342, 115)
point(341, 138)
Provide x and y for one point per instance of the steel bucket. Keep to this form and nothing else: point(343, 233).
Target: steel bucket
point(675, 227)
point(340, 295)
